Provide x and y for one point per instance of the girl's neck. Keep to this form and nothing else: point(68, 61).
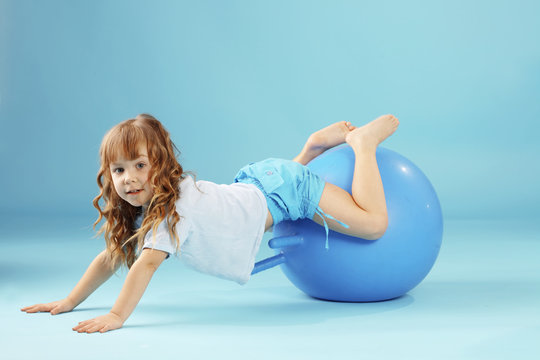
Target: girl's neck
point(144, 208)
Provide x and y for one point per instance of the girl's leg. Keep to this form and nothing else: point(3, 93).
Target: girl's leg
point(365, 211)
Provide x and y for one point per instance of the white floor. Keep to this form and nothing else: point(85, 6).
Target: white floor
point(480, 301)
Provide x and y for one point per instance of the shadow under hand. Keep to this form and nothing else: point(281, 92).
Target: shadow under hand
point(90, 309)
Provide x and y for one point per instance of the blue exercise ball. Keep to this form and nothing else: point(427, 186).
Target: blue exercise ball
point(354, 269)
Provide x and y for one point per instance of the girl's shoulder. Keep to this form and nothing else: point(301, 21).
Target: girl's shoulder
point(189, 190)
point(188, 183)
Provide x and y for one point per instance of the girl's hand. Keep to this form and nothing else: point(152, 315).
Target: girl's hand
point(102, 324)
point(55, 307)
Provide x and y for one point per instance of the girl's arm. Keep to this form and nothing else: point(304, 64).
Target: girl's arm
point(136, 282)
point(97, 273)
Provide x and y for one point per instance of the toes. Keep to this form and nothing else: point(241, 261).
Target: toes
point(350, 127)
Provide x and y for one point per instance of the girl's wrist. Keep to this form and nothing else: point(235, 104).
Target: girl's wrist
point(120, 317)
point(72, 303)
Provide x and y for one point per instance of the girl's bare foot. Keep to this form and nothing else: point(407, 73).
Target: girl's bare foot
point(327, 138)
point(323, 140)
point(372, 134)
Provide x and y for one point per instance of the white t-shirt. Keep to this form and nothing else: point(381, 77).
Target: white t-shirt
point(220, 228)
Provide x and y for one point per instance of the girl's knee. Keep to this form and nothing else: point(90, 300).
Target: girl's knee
point(340, 204)
point(378, 226)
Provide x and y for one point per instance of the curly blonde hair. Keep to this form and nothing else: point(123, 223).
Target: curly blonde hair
point(122, 239)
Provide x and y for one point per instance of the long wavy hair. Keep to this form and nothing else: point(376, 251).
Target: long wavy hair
point(122, 239)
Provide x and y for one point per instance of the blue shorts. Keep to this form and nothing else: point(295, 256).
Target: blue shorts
point(292, 191)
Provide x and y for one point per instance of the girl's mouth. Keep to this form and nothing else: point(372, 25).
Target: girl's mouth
point(134, 192)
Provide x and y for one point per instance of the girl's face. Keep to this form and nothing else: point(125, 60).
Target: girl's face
point(130, 178)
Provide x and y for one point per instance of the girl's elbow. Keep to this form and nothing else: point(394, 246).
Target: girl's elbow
point(152, 258)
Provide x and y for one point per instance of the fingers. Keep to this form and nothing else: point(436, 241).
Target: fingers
point(82, 325)
point(55, 307)
point(91, 326)
point(56, 310)
point(88, 326)
point(36, 308)
point(105, 329)
point(28, 308)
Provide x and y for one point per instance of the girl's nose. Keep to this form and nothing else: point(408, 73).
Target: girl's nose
point(129, 179)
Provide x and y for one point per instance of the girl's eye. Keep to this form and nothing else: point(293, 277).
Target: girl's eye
point(140, 165)
point(118, 170)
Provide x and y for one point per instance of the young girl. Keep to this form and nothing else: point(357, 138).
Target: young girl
point(152, 208)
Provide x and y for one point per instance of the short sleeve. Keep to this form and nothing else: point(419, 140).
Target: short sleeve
point(162, 240)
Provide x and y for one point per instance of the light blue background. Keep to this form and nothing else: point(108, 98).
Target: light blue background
point(239, 81)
